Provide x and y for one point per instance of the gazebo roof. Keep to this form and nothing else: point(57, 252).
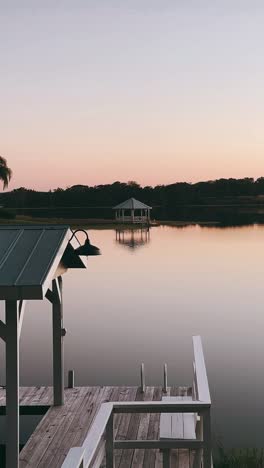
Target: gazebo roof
point(132, 204)
point(31, 256)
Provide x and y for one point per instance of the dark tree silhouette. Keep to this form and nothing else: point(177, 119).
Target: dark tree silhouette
point(225, 200)
point(5, 172)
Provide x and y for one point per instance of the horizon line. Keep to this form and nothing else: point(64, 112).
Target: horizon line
point(135, 183)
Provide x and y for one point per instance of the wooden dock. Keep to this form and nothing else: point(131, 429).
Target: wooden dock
point(63, 427)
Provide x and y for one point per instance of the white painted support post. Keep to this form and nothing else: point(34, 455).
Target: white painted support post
point(58, 357)
point(109, 444)
point(165, 379)
point(207, 439)
point(71, 379)
point(12, 384)
point(142, 378)
point(197, 462)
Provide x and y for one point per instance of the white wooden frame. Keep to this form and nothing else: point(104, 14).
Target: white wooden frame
point(100, 439)
point(10, 332)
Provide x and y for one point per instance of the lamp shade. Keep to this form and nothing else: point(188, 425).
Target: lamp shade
point(87, 249)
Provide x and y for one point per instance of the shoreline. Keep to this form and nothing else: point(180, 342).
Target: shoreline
point(101, 223)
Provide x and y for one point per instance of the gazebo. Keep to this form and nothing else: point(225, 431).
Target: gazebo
point(32, 262)
point(132, 211)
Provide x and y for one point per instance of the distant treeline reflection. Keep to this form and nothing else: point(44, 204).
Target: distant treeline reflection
point(229, 201)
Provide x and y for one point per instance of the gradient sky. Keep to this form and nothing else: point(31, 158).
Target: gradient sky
point(156, 91)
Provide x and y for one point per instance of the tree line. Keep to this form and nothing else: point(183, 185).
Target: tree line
point(108, 195)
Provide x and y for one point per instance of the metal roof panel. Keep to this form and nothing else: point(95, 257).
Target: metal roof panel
point(29, 257)
point(132, 204)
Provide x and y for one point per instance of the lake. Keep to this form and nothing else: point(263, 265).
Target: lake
point(142, 301)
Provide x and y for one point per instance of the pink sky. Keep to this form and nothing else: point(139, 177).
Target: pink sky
point(91, 95)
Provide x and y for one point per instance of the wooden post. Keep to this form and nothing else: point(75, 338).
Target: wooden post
point(166, 458)
point(207, 439)
point(58, 358)
point(165, 379)
point(109, 445)
point(197, 462)
point(12, 385)
point(71, 379)
point(142, 378)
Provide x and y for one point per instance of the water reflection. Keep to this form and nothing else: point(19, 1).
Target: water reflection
point(133, 238)
point(144, 304)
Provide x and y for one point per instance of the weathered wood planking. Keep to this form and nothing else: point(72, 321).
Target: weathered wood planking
point(64, 427)
point(177, 425)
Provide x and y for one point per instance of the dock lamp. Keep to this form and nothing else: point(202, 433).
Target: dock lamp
point(87, 249)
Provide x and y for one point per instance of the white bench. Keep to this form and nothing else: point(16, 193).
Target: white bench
point(176, 426)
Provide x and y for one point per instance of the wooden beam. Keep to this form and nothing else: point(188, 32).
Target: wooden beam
point(160, 406)
point(142, 378)
point(166, 455)
point(50, 296)
point(165, 378)
point(58, 349)
point(56, 288)
point(200, 371)
point(159, 444)
point(54, 295)
point(28, 410)
point(96, 432)
point(21, 309)
point(12, 384)
point(109, 446)
point(2, 330)
point(74, 458)
point(207, 439)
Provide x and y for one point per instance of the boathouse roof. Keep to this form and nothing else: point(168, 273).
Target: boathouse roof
point(31, 256)
point(132, 204)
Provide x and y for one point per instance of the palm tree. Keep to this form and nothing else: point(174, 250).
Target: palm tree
point(5, 172)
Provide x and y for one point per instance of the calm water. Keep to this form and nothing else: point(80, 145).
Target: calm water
point(144, 298)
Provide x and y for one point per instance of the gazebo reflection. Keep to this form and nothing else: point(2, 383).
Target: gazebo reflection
point(133, 238)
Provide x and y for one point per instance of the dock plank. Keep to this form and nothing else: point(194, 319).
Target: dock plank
point(120, 394)
point(150, 456)
point(64, 427)
point(55, 444)
point(40, 440)
point(123, 421)
point(127, 455)
point(143, 427)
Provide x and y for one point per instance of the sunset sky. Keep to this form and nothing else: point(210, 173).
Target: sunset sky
point(156, 91)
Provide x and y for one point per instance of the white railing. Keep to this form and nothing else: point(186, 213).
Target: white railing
point(100, 440)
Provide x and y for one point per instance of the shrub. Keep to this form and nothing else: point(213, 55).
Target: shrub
point(244, 458)
point(6, 214)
